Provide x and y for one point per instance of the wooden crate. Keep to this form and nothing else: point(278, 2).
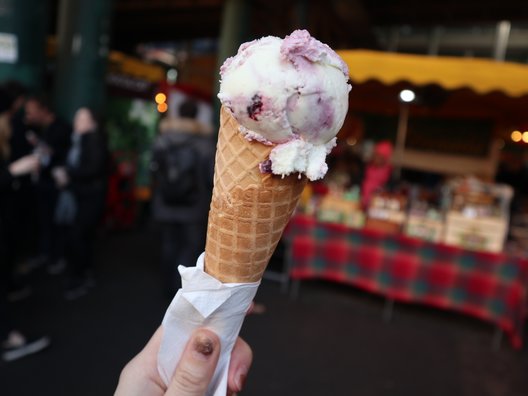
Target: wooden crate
point(389, 227)
point(483, 234)
point(424, 228)
point(335, 209)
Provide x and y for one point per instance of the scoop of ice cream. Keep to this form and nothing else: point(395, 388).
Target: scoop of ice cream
point(292, 93)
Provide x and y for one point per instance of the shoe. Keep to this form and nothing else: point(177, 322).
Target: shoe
point(89, 280)
point(34, 263)
point(75, 290)
point(19, 293)
point(57, 268)
point(18, 346)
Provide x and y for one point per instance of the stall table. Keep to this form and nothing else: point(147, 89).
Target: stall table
point(488, 286)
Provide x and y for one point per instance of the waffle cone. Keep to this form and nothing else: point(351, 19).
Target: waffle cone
point(249, 209)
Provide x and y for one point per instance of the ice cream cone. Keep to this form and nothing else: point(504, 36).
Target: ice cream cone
point(249, 209)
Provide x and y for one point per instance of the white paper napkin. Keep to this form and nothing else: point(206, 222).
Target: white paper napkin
point(204, 301)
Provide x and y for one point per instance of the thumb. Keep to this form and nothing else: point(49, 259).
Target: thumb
point(197, 365)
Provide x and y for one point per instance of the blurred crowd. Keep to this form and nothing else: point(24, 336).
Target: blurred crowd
point(54, 178)
point(52, 188)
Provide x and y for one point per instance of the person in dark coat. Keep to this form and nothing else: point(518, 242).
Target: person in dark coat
point(13, 211)
point(20, 146)
point(184, 225)
point(13, 343)
point(84, 180)
point(22, 212)
point(51, 137)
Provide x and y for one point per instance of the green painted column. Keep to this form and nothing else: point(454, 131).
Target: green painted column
point(233, 32)
point(23, 31)
point(83, 40)
point(301, 14)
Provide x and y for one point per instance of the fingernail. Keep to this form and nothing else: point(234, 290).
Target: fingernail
point(203, 345)
point(240, 378)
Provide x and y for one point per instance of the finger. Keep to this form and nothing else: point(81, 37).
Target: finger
point(241, 359)
point(259, 309)
point(196, 366)
point(250, 309)
point(150, 351)
point(255, 308)
point(140, 376)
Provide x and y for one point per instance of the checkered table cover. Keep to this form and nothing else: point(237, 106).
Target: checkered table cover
point(491, 287)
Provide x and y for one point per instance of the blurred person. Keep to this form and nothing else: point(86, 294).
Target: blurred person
point(23, 203)
point(16, 201)
point(378, 171)
point(182, 165)
point(83, 182)
point(193, 373)
point(13, 343)
point(17, 93)
point(50, 137)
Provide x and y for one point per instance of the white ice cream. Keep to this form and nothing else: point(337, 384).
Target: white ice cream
point(291, 93)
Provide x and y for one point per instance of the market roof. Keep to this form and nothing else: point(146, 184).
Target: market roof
point(481, 75)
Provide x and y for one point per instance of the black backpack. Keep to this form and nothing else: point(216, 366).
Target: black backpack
point(178, 171)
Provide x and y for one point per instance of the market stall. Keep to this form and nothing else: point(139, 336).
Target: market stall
point(488, 286)
point(443, 247)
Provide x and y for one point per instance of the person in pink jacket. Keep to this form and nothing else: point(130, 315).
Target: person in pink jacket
point(378, 172)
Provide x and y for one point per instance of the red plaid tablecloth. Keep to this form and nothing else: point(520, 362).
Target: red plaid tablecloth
point(488, 286)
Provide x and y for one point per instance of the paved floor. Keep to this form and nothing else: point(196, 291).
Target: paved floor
point(330, 341)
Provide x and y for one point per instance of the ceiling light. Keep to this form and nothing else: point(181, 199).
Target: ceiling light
point(160, 98)
point(407, 95)
point(162, 107)
point(516, 136)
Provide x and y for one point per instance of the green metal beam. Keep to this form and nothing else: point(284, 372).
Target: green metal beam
point(233, 32)
point(23, 30)
point(83, 45)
